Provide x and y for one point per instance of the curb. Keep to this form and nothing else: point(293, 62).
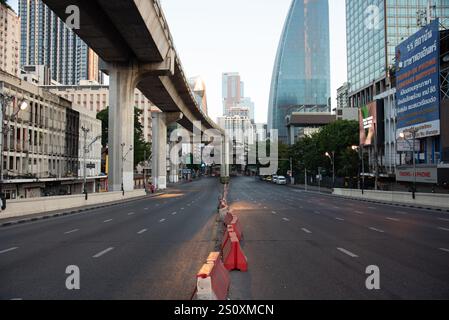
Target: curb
point(72, 211)
point(394, 204)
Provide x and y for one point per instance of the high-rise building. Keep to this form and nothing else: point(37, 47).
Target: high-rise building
point(301, 74)
point(9, 40)
point(374, 28)
point(233, 90)
point(46, 40)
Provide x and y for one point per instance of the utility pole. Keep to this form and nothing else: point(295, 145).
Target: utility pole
point(85, 131)
point(144, 169)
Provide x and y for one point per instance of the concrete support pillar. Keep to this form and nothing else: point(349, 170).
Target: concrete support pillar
point(174, 168)
point(159, 147)
point(122, 83)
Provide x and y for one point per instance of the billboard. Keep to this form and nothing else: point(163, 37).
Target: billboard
point(417, 76)
point(371, 123)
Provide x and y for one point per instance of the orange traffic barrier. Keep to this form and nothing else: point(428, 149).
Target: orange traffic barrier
point(233, 256)
point(213, 279)
point(235, 223)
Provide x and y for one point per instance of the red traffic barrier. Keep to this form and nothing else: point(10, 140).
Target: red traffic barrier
point(233, 256)
point(213, 279)
point(235, 223)
point(226, 237)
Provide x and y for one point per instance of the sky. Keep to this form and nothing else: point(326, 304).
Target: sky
point(216, 36)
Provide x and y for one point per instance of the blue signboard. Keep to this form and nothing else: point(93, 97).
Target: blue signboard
point(418, 78)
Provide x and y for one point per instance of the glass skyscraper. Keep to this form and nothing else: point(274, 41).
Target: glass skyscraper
point(301, 74)
point(374, 29)
point(45, 40)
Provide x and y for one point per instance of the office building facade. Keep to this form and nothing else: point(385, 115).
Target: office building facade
point(41, 149)
point(373, 29)
point(93, 97)
point(301, 73)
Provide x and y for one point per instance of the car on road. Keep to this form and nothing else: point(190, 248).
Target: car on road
point(268, 179)
point(274, 179)
point(281, 180)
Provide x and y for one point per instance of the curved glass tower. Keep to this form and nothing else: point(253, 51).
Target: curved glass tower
point(301, 74)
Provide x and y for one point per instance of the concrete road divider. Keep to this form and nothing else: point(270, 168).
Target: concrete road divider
point(235, 223)
point(213, 279)
point(233, 256)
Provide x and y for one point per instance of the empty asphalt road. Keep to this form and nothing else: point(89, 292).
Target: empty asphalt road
point(146, 249)
point(303, 245)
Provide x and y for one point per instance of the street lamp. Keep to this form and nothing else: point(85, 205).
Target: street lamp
point(331, 156)
point(86, 148)
point(23, 105)
point(413, 132)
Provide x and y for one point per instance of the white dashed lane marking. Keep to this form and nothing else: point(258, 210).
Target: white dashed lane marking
point(286, 219)
point(444, 249)
point(349, 253)
point(340, 219)
point(393, 219)
point(142, 231)
point(443, 229)
point(306, 231)
point(98, 255)
point(9, 250)
point(106, 221)
point(131, 213)
point(162, 220)
point(377, 230)
point(71, 231)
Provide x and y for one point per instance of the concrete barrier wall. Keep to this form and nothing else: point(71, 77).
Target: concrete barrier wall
point(422, 199)
point(24, 207)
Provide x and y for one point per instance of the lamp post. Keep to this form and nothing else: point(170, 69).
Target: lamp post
point(413, 132)
point(86, 148)
point(23, 105)
point(331, 156)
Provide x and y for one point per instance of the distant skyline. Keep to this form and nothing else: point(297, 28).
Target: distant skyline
point(213, 37)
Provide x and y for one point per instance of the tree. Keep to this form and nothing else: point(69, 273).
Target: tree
point(309, 152)
point(140, 146)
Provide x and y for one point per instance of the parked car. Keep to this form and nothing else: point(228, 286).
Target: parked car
point(275, 178)
point(268, 179)
point(281, 180)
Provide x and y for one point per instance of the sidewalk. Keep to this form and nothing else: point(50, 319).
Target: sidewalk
point(22, 217)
